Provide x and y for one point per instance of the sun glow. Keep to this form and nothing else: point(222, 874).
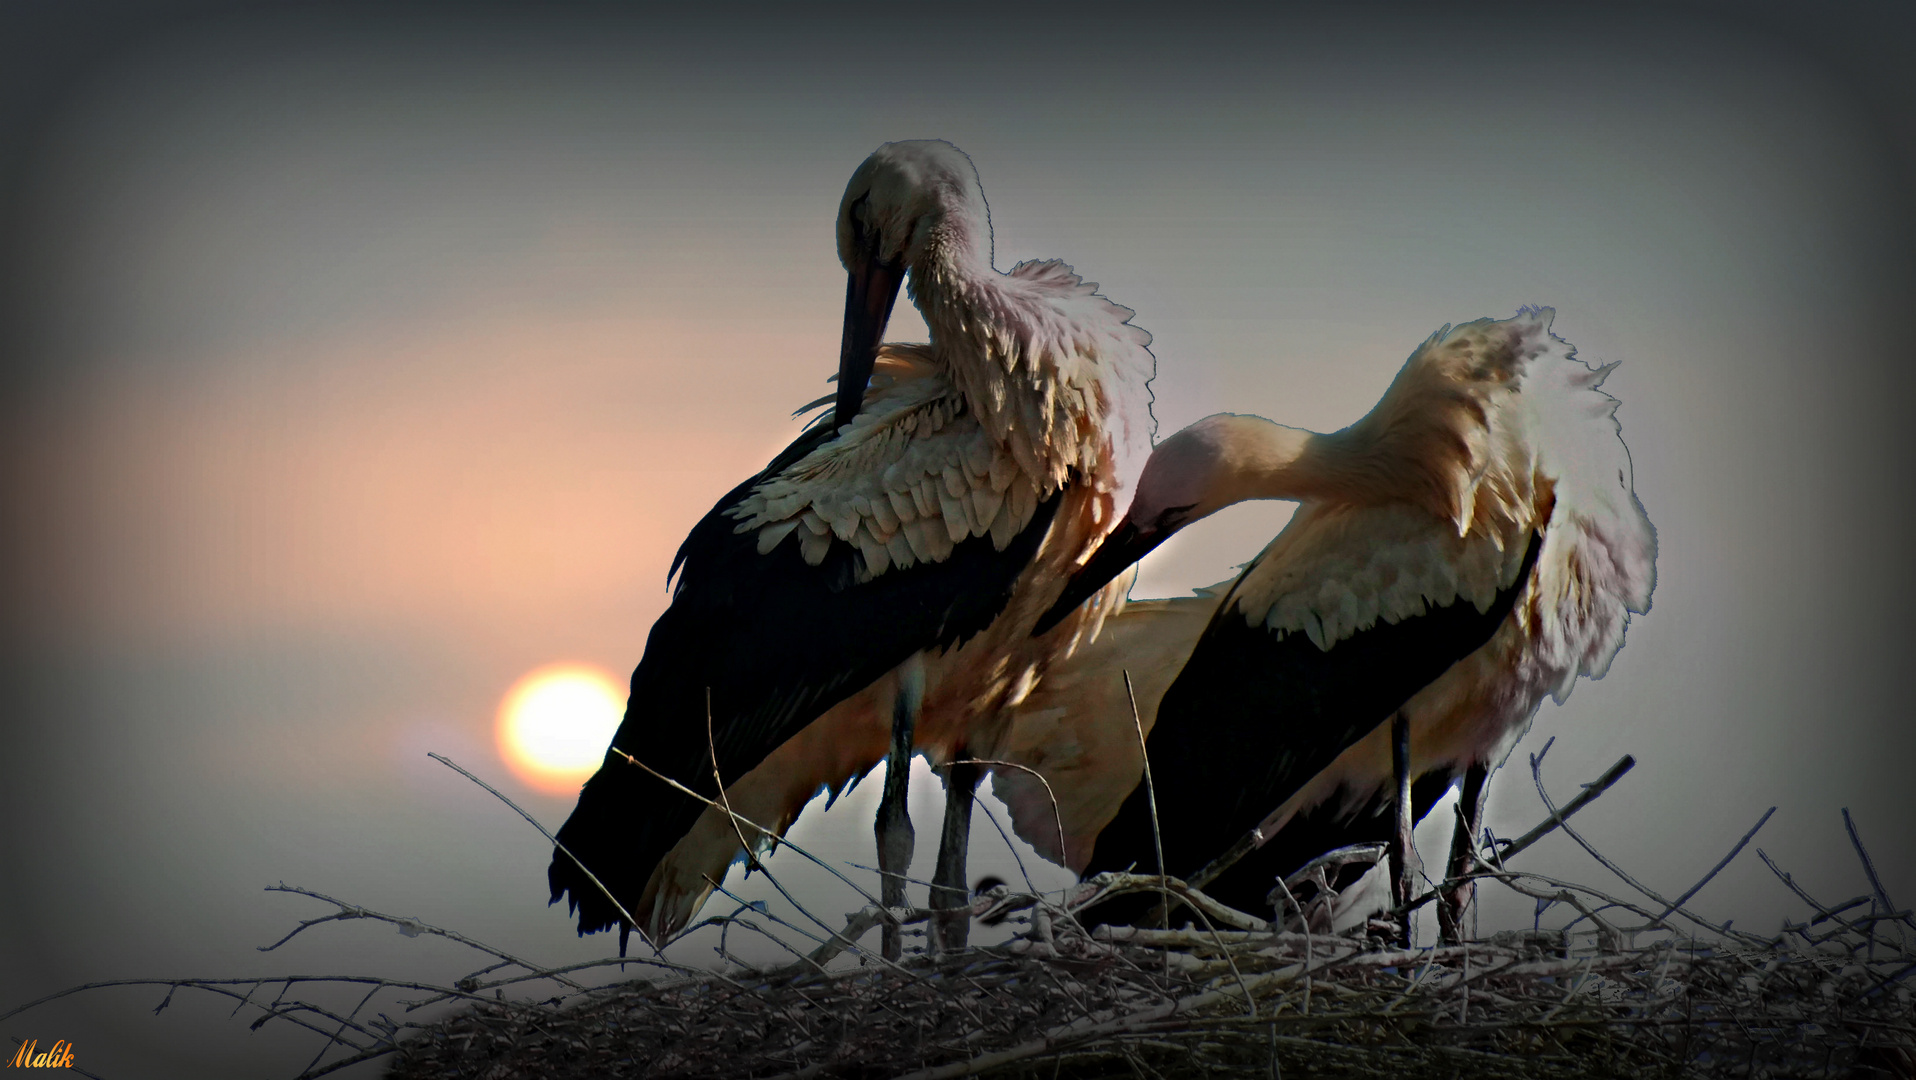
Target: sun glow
point(555, 723)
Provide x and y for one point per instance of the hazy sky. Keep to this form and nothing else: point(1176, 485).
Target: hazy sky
point(357, 364)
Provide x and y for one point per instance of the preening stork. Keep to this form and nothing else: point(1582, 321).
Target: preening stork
point(1050, 730)
point(1470, 546)
point(893, 560)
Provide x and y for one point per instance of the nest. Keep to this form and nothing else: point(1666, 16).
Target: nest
point(1669, 994)
point(1820, 1001)
point(1641, 986)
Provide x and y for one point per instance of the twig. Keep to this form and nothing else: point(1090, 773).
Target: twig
point(1250, 1002)
point(1869, 864)
point(1112, 883)
point(787, 842)
point(1009, 846)
point(1057, 816)
point(218, 986)
point(1802, 894)
point(1150, 792)
point(1557, 817)
point(1245, 844)
point(726, 807)
point(802, 909)
point(1306, 926)
point(1714, 870)
point(1544, 828)
point(746, 905)
point(590, 876)
point(1536, 773)
point(364, 1055)
point(711, 744)
point(336, 1040)
point(409, 927)
point(857, 925)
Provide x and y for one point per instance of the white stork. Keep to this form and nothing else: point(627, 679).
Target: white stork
point(1067, 727)
point(893, 560)
point(1470, 546)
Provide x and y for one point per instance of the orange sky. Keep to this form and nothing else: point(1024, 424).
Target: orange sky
point(376, 363)
point(490, 471)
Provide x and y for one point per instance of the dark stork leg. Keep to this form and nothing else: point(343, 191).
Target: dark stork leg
point(1402, 850)
point(1470, 806)
point(895, 836)
point(948, 890)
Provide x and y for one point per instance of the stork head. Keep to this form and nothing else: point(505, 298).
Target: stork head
point(910, 204)
point(1218, 461)
point(912, 201)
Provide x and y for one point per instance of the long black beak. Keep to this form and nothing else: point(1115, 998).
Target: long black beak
point(1126, 545)
point(869, 295)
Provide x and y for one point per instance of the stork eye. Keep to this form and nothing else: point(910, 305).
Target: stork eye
point(859, 211)
point(1175, 516)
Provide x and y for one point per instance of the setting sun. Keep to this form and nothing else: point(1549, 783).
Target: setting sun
point(555, 723)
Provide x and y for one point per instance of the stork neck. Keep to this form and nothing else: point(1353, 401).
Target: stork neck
point(1344, 466)
point(1252, 458)
point(956, 250)
point(1282, 463)
point(948, 286)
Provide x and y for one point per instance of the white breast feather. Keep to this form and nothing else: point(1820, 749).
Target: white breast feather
point(1055, 372)
point(1599, 561)
point(1501, 431)
point(912, 477)
point(1338, 570)
point(1034, 378)
point(1597, 566)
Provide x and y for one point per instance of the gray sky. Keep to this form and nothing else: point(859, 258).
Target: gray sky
point(361, 363)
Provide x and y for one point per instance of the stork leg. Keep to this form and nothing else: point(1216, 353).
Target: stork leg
point(894, 832)
point(1402, 850)
point(948, 889)
point(1470, 813)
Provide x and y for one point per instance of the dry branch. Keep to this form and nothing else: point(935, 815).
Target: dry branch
point(1829, 996)
point(1235, 993)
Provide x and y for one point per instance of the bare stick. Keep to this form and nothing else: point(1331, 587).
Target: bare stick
point(219, 986)
point(789, 898)
point(740, 818)
point(1822, 912)
point(1011, 847)
point(857, 925)
point(1250, 1001)
point(745, 905)
point(1057, 816)
point(1725, 861)
point(1869, 865)
point(1150, 793)
point(1536, 773)
point(349, 912)
point(336, 1040)
point(1557, 817)
point(1246, 844)
point(584, 965)
point(1511, 877)
point(1306, 926)
point(828, 868)
point(1113, 883)
point(1254, 839)
point(711, 743)
point(364, 1055)
point(1403, 846)
point(590, 876)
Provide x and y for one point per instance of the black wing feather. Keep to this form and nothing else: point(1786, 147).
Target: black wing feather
point(1255, 714)
point(778, 642)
